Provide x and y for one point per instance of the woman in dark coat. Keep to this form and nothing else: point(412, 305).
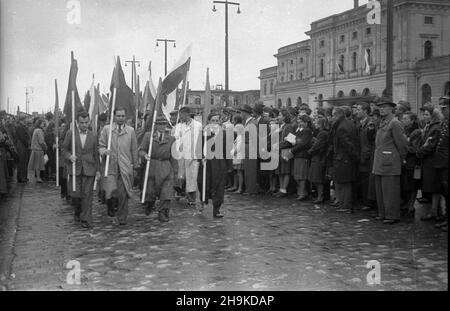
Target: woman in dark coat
point(410, 185)
point(216, 168)
point(318, 154)
point(303, 138)
point(50, 140)
point(285, 165)
point(426, 152)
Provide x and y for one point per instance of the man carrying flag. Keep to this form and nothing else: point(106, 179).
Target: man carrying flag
point(118, 144)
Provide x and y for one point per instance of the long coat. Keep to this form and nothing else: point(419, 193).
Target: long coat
point(345, 151)
point(367, 146)
point(88, 161)
point(216, 170)
point(318, 153)
point(284, 167)
point(391, 147)
point(442, 148)
point(426, 153)
point(124, 153)
point(303, 138)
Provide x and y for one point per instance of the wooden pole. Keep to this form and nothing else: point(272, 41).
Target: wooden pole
point(57, 132)
point(147, 167)
point(184, 98)
point(74, 171)
point(204, 165)
point(111, 120)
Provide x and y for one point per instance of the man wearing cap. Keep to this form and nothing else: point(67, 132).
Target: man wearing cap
point(390, 151)
point(263, 131)
point(188, 138)
point(441, 156)
point(402, 108)
point(162, 169)
point(250, 161)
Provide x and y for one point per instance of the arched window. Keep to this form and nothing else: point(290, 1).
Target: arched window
point(340, 94)
point(271, 87)
point(321, 68)
point(354, 61)
point(299, 101)
point(353, 93)
point(366, 92)
point(198, 101)
point(426, 94)
point(265, 88)
point(289, 102)
point(280, 103)
point(428, 50)
point(447, 89)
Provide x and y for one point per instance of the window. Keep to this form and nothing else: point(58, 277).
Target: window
point(341, 63)
point(282, 64)
point(340, 94)
point(265, 88)
point(354, 61)
point(321, 68)
point(271, 87)
point(280, 103)
point(301, 76)
point(320, 100)
point(355, 35)
point(428, 20)
point(291, 77)
point(342, 39)
point(353, 93)
point(198, 101)
point(369, 57)
point(289, 102)
point(426, 94)
point(292, 62)
point(301, 60)
point(366, 92)
point(428, 50)
point(368, 31)
point(322, 43)
point(282, 78)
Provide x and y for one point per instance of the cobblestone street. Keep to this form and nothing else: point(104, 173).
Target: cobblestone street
point(261, 244)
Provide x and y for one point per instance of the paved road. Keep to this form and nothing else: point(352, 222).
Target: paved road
point(261, 244)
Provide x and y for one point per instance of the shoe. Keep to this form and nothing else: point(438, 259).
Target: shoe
point(39, 181)
point(166, 213)
point(110, 208)
point(122, 223)
point(366, 208)
point(318, 201)
point(281, 195)
point(335, 204)
point(149, 208)
point(302, 198)
point(238, 192)
point(231, 189)
point(86, 225)
point(390, 221)
point(427, 217)
point(218, 215)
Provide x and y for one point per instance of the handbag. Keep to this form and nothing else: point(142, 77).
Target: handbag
point(286, 154)
point(417, 172)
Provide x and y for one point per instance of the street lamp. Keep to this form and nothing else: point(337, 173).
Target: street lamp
point(165, 51)
point(226, 3)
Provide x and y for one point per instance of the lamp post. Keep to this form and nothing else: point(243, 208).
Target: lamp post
point(165, 51)
point(390, 49)
point(226, 3)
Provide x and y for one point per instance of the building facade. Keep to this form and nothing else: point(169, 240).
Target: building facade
point(345, 58)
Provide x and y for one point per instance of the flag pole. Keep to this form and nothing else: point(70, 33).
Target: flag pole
point(204, 167)
point(57, 133)
point(184, 97)
point(136, 95)
point(110, 129)
point(147, 167)
point(74, 171)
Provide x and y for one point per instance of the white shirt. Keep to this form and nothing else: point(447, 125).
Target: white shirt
point(187, 136)
point(83, 138)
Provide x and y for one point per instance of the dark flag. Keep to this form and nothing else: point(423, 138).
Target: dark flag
point(72, 87)
point(124, 95)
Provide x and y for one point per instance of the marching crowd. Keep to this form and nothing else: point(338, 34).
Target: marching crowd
point(366, 156)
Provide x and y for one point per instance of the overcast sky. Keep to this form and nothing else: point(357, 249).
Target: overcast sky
point(36, 41)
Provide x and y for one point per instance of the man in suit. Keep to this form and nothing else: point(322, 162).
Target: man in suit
point(87, 168)
point(390, 151)
point(261, 123)
point(251, 151)
point(345, 158)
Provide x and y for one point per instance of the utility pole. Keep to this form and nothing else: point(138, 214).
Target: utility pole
point(226, 3)
point(28, 91)
point(165, 51)
point(7, 104)
point(390, 49)
point(133, 73)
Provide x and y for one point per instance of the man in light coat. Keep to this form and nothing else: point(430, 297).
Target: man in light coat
point(123, 161)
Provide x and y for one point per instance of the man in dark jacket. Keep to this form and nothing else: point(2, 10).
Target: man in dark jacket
point(345, 158)
point(23, 143)
point(261, 123)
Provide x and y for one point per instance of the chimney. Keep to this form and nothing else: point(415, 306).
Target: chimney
point(355, 4)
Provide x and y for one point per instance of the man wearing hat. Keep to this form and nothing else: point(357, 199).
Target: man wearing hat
point(390, 151)
point(441, 155)
point(162, 171)
point(402, 108)
point(250, 163)
point(188, 135)
point(263, 129)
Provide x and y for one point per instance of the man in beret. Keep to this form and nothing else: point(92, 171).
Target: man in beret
point(188, 136)
point(162, 170)
point(390, 151)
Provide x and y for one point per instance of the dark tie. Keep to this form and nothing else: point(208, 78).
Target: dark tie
point(120, 129)
point(160, 136)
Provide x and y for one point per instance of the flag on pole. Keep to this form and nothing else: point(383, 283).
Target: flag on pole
point(207, 106)
point(173, 79)
point(124, 95)
point(90, 108)
point(368, 61)
point(72, 87)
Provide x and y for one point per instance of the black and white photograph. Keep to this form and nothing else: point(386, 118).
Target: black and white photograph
point(203, 146)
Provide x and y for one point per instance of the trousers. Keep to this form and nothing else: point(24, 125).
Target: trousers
point(387, 190)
